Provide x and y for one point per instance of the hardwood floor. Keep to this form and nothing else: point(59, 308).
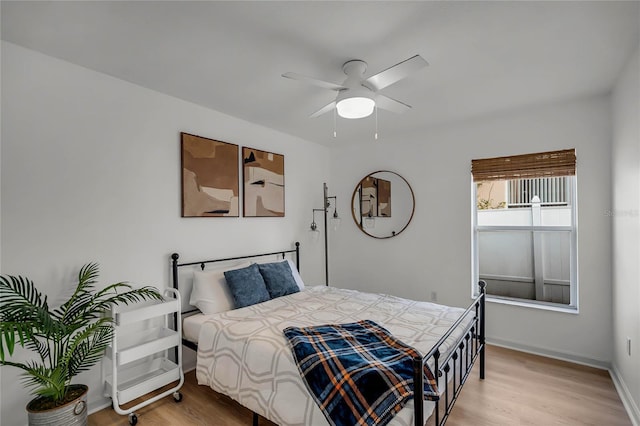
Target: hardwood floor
point(525, 389)
point(519, 389)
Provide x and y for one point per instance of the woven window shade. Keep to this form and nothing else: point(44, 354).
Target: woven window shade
point(539, 165)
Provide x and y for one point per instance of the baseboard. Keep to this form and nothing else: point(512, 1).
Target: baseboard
point(188, 366)
point(562, 356)
point(99, 405)
point(625, 395)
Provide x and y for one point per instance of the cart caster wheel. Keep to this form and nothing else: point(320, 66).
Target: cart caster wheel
point(133, 419)
point(177, 396)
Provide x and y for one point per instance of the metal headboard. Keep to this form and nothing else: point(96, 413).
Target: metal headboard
point(202, 263)
point(175, 265)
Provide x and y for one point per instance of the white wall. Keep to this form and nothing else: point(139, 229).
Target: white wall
point(625, 219)
point(434, 252)
point(91, 172)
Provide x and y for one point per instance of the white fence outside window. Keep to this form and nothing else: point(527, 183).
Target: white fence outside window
point(527, 253)
point(552, 191)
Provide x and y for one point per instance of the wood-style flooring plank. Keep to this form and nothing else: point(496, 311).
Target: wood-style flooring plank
point(519, 389)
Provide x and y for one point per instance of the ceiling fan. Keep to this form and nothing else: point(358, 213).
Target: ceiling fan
point(357, 95)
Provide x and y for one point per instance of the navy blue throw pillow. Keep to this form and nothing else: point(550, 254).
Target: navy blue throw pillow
point(247, 286)
point(278, 278)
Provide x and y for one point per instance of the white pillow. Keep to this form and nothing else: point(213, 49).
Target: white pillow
point(296, 274)
point(210, 292)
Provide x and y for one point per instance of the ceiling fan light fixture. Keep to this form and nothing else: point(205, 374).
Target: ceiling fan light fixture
point(355, 104)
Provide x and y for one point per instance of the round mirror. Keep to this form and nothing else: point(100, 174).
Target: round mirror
point(382, 204)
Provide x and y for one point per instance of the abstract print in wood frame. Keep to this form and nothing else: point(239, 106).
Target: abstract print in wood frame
point(369, 197)
point(384, 198)
point(263, 177)
point(210, 177)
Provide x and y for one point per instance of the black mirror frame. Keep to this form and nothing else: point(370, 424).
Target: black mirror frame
point(359, 224)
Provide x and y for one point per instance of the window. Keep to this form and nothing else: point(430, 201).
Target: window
point(524, 228)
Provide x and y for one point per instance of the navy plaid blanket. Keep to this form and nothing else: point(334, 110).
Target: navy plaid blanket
point(357, 373)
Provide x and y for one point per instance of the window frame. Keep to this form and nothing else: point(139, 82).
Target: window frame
point(573, 306)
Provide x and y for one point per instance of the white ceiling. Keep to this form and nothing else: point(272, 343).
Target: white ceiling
point(485, 57)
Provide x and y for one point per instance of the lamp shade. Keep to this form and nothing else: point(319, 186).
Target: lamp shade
point(356, 107)
point(355, 103)
point(369, 222)
point(314, 235)
point(335, 222)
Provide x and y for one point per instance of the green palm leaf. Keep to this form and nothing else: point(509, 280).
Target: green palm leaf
point(104, 301)
point(23, 313)
point(46, 382)
point(18, 292)
point(82, 295)
point(88, 348)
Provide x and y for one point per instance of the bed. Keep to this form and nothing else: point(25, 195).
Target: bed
point(243, 353)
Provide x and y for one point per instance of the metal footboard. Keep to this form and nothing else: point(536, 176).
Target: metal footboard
point(454, 369)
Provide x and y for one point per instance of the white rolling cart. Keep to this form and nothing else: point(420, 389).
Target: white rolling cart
point(124, 378)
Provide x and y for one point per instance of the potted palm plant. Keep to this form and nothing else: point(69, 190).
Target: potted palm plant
point(67, 340)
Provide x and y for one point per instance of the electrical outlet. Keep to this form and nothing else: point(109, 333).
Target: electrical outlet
point(629, 346)
point(434, 296)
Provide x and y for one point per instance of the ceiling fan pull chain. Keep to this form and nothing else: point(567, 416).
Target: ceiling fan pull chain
point(376, 134)
point(335, 132)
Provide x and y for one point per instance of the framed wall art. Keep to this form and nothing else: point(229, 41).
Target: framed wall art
point(210, 177)
point(375, 197)
point(384, 197)
point(263, 178)
point(369, 197)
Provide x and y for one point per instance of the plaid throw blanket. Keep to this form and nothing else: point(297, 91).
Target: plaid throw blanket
point(357, 373)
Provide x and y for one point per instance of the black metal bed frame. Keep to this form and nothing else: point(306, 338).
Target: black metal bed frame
point(455, 367)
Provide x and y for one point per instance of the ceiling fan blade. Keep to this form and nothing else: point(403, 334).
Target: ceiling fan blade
point(314, 81)
point(390, 104)
point(395, 73)
point(324, 109)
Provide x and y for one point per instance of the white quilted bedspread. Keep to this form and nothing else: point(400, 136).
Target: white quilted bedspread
point(244, 354)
